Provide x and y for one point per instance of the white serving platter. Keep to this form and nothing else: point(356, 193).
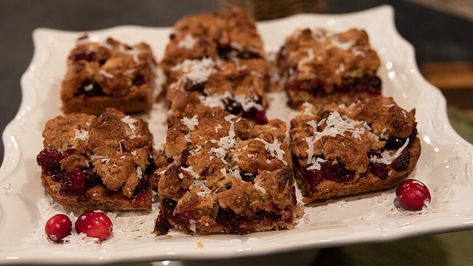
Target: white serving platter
point(445, 164)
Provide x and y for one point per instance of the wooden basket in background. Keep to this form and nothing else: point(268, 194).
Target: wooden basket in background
point(271, 9)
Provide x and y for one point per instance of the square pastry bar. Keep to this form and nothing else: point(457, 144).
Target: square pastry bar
point(206, 84)
point(340, 151)
point(98, 162)
point(229, 36)
point(224, 174)
point(323, 67)
point(108, 74)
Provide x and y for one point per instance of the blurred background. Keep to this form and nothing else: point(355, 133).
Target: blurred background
point(440, 30)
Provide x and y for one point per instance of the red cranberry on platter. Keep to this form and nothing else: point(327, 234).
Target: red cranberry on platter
point(412, 195)
point(94, 224)
point(58, 227)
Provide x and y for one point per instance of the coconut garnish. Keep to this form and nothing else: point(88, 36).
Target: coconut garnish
point(81, 134)
point(274, 149)
point(197, 71)
point(190, 123)
point(187, 43)
point(386, 158)
point(191, 171)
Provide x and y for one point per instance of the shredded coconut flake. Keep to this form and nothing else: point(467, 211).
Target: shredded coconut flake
point(386, 158)
point(139, 172)
point(345, 46)
point(274, 149)
point(131, 128)
point(81, 134)
point(191, 172)
point(338, 125)
point(190, 123)
point(197, 71)
point(106, 74)
point(316, 164)
point(201, 184)
point(187, 43)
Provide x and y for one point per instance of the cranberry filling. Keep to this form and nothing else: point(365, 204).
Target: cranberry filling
point(380, 170)
point(233, 222)
point(328, 171)
point(90, 88)
point(248, 177)
point(49, 160)
point(227, 53)
point(198, 87)
point(151, 168)
point(402, 162)
point(143, 185)
point(73, 183)
point(167, 219)
point(139, 80)
point(235, 108)
point(184, 156)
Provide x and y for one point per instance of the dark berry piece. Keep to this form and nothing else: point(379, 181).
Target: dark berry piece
point(94, 224)
point(394, 143)
point(402, 162)
point(161, 226)
point(248, 177)
point(412, 194)
point(169, 206)
point(190, 86)
point(58, 227)
point(90, 88)
point(247, 54)
point(49, 159)
point(184, 156)
point(232, 106)
point(381, 170)
point(73, 183)
point(139, 80)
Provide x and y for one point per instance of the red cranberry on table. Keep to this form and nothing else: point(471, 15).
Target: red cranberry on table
point(94, 224)
point(412, 194)
point(58, 227)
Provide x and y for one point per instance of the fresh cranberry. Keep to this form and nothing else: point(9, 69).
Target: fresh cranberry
point(412, 194)
point(58, 227)
point(94, 224)
point(73, 183)
point(49, 160)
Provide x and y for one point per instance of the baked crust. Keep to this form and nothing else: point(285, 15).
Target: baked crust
point(321, 67)
point(216, 60)
point(103, 162)
point(108, 74)
point(226, 175)
point(340, 151)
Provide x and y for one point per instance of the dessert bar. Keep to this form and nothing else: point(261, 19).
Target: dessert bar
point(321, 67)
point(341, 150)
point(226, 175)
point(108, 74)
point(98, 162)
